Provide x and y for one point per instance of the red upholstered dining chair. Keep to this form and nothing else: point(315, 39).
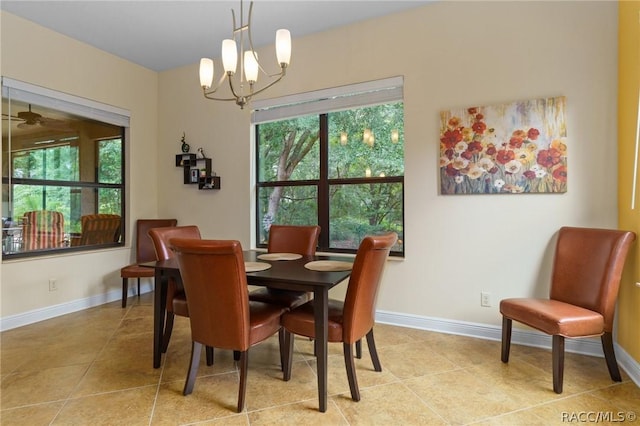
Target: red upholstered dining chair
point(145, 252)
point(220, 312)
point(587, 268)
point(176, 298)
point(42, 229)
point(351, 320)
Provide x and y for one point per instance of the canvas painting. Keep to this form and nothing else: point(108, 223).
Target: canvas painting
point(514, 148)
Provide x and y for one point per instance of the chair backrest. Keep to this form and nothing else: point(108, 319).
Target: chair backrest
point(587, 268)
point(362, 292)
point(42, 229)
point(161, 237)
point(145, 251)
point(293, 239)
point(99, 229)
point(215, 282)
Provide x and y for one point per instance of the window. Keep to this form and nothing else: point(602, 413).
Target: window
point(339, 167)
point(63, 163)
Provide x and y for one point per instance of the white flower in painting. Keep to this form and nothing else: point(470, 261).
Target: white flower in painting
point(444, 161)
point(475, 172)
point(460, 163)
point(485, 164)
point(461, 147)
point(459, 179)
point(536, 167)
point(513, 166)
point(540, 173)
point(499, 183)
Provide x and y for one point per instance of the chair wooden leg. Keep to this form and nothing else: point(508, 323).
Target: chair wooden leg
point(196, 348)
point(359, 348)
point(244, 362)
point(372, 351)
point(557, 350)
point(281, 343)
point(209, 355)
point(168, 329)
point(125, 291)
point(351, 371)
point(288, 357)
point(506, 338)
point(138, 287)
point(236, 355)
point(610, 356)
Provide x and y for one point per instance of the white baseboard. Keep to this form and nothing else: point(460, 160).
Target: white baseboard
point(37, 315)
point(483, 331)
point(522, 337)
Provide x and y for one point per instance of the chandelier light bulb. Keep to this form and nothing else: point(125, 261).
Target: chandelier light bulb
point(283, 47)
point(366, 135)
point(251, 66)
point(229, 56)
point(343, 138)
point(395, 136)
point(206, 72)
point(367, 172)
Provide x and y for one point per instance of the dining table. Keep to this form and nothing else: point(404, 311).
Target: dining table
point(291, 274)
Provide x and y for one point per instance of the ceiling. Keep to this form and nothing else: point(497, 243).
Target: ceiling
point(161, 35)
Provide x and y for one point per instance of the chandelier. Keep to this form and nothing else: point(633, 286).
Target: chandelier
point(243, 84)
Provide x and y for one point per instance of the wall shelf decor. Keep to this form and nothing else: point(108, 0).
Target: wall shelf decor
point(197, 171)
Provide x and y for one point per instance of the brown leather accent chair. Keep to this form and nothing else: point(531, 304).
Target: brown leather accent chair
point(288, 239)
point(351, 320)
point(176, 298)
point(220, 312)
point(587, 267)
point(145, 252)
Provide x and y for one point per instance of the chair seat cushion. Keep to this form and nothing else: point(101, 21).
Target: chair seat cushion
point(136, 271)
point(554, 317)
point(264, 321)
point(285, 298)
point(300, 320)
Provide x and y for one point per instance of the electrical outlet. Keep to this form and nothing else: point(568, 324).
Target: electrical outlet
point(53, 284)
point(485, 299)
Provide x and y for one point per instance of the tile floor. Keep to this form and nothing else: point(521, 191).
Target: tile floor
point(95, 367)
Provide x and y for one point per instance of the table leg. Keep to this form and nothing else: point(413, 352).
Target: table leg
point(321, 317)
point(159, 311)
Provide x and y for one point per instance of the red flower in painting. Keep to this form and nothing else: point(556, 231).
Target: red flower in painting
point(515, 142)
point(491, 149)
point(560, 174)
point(533, 134)
point(530, 174)
point(479, 117)
point(474, 147)
point(451, 138)
point(549, 157)
point(472, 111)
point(479, 127)
point(504, 156)
point(451, 171)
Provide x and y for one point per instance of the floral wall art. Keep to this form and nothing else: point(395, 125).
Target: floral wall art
point(513, 148)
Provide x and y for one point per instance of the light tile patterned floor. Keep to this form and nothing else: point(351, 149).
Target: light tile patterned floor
point(95, 368)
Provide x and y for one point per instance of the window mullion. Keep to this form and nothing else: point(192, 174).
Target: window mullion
point(323, 185)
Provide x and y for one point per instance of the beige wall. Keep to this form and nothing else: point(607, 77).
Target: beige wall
point(38, 56)
point(451, 54)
